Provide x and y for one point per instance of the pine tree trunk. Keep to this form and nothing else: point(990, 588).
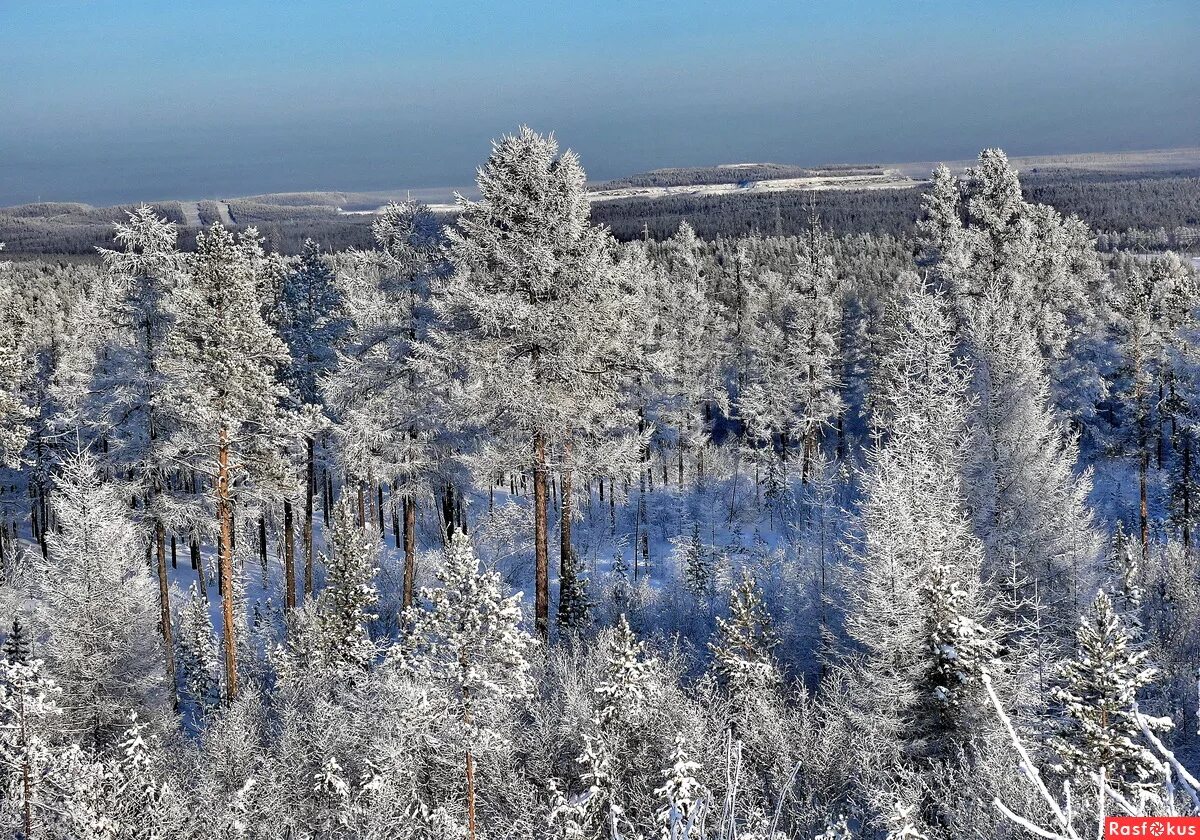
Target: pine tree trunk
point(379, 508)
point(289, 557)
point(326, 502)
point(470, 795)
point(262, 542)
point(541, 558)
point(410, 549)
point(1187, 491)
point(448, 512)
point(224, 516)
point(26, 780)
point(566, 553)
point(198, 563)
point(164, 604)
point(396, 515)
point(310, 491)
point(1143, 468)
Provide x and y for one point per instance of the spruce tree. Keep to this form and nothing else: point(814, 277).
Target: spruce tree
point(1096, 691)
point(344, 607)
point(683, 795)
point(199, 664)
point(470, 640)
point(18, 645)
point(743, 656)
point(29, 751)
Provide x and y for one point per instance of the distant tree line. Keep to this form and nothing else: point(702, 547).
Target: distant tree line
point(1141, 211)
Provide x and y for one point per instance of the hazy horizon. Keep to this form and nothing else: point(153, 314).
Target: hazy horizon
point(111, 102)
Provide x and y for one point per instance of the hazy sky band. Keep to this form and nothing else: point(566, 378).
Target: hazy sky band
point(117, 100)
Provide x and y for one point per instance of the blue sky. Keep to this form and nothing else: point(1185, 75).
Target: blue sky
point(117, 100)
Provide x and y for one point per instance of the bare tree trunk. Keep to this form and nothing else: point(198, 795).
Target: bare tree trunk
point(309, 493)
point(470, 795)
point(1143, 468)
point(395, 514)
point(541, 558)
point(1187, 491)
point(262, 541)
point(379, 507)
point(198, 563)
point(410, 549)
point(566, 553)
point(27, 783)
point(289, 557)
point(327, 501)
point(224, 516)
point(164, 604)
point(448, 512)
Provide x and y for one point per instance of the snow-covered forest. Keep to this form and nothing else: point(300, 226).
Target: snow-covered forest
point(504, 529)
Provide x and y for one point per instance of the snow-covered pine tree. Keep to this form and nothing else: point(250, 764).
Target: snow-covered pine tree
point(836, 829)
point(223, 357)
point(912, 522)
point(199, 664)
point(132, 380)
point(574, 605)
point(617, 736)
point(388, 401)
point(1126, 570)
point(683, 793)
point(1096, 691)
point(694, 561)
point(344, 606)
point(14, 368)
point(29, 735)
point(979, 232)
point(743, 649)
point(312, 325)
point(1026, 500)
point(96, 601)
point(940, 229)
point(18, 644)
point(527, 314)
point(814, 350)
point(962, 649)
point(470, 640)
point(690, 350)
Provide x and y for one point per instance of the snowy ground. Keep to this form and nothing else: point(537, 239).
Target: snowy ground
point(891, 179)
